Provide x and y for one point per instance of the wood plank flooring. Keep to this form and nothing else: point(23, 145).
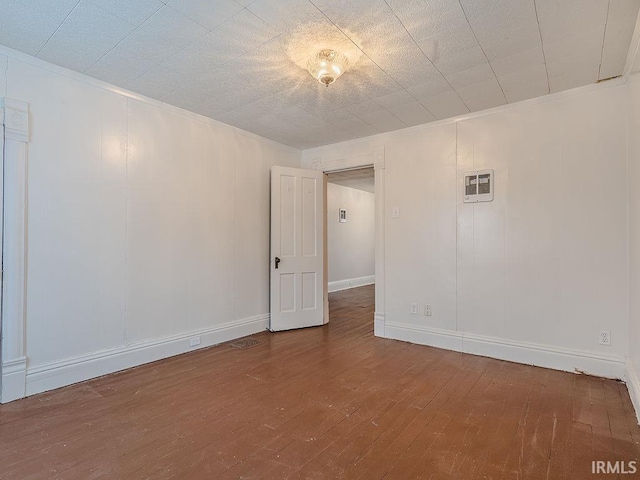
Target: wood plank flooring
point(323, 403)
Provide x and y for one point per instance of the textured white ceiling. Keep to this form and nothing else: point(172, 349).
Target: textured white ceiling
point(414, 61)
point(360, 179)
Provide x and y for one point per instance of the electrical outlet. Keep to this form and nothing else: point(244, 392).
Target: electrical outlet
point(194, 341)
point(395, 212)
point(414, 309)
point(427, 310)
point(605, 337)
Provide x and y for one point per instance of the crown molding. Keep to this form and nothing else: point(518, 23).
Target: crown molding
point(549, 98)
point(94, 82)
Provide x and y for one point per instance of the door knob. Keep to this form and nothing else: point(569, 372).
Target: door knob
point(277, 261)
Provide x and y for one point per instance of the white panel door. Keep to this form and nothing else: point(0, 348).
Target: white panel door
point(297, 254)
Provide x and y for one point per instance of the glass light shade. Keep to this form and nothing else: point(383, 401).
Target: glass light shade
point(327, 65)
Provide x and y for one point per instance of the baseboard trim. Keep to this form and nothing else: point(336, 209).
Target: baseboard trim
point(351, 283)
point(633, 385)
point(13, 379)
point(378, 324)
point(58, 374)
point(547, 356)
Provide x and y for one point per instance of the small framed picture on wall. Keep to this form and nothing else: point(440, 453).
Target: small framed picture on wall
point(343, 216)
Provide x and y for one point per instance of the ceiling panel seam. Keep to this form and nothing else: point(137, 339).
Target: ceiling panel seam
point(544, 55)
point(200, 38)
point(426, 57)
point(604, 36)
point(483, 52)
point(126, 36)
point(58, 28)
point(429, 60)
point(176, 12)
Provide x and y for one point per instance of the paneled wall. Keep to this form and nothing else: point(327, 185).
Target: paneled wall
point(350, 244)
point(534, 275)
point(420, 257)
point(146, 225)
point(545, 262)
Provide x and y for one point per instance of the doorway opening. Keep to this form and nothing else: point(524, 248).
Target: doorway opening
point(299, 259)
point(350, 237)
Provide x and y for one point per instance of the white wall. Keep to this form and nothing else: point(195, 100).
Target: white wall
point(534, 275)
point(633, 365)
point(351, 244)
point(146, 225)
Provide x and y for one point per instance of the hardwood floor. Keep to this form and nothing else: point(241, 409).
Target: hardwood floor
point(322, 403)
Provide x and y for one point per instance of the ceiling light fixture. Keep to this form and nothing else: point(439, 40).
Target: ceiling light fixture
point(327, 65)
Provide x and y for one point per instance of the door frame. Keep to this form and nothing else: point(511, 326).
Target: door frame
point(1, 230)
point(376, 159)
point(14, 249)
